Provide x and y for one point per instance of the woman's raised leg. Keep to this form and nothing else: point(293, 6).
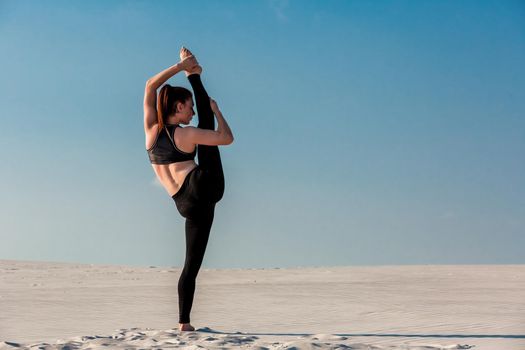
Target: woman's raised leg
point(209, 156)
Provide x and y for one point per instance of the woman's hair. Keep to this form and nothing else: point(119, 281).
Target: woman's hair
point(167, 101)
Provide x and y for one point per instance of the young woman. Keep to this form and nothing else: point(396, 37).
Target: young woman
point(171, 150)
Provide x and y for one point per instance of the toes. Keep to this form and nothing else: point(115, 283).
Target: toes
point(184, 52)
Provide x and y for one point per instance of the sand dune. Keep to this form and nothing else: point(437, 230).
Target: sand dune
point(47, 305)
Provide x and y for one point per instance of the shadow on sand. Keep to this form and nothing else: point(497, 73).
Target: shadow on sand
point(505, 336)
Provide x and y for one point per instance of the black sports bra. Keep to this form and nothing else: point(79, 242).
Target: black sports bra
point(164, 150)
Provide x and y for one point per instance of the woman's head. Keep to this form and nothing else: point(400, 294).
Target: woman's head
point(174, 101)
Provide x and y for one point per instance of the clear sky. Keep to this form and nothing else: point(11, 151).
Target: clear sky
point(366, 132)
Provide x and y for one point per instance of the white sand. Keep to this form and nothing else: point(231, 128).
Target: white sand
point(74, 306)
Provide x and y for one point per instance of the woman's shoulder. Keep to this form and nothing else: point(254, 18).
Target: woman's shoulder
point(182, 132)
point(182, 138)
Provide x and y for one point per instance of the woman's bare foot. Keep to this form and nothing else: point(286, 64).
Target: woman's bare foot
point(186, 327)
point(184, 53)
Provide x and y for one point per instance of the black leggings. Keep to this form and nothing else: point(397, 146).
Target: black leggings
point(202, 188)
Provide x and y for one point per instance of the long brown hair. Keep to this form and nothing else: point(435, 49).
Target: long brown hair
point(167, 101)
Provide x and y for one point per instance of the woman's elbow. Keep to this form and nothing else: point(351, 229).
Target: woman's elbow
point(228, 140)
point(150, 84)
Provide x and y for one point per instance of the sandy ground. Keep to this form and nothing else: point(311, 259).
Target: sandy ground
point(46, 305)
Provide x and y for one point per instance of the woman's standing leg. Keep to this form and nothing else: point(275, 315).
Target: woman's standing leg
point(197, 234)
point(209, 156)
point(198, 224)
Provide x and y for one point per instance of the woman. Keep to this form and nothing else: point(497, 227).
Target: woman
point(171, 150)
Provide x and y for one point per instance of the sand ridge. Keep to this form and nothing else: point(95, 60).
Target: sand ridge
point(207, 338)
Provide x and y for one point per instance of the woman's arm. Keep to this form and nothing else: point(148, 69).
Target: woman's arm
point(150, 92)
point(223, 128)
point(159, 79)
point(222, 136)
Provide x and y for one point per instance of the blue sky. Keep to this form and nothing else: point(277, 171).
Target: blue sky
point(366, 133)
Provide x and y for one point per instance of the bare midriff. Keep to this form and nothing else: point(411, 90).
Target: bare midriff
point(172, 176)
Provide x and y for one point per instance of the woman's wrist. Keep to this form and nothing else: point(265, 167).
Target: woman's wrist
point(163, 76)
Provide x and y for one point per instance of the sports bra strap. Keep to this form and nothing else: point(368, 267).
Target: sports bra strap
point(169, 136)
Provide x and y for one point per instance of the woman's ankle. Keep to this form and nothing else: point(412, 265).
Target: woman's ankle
point(186, 327)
